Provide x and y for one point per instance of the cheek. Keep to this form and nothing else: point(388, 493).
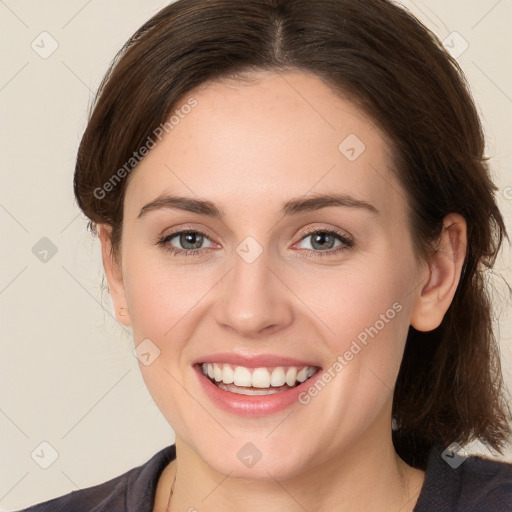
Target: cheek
point(161, 300)
point(365, 315)
point(159, 296)
point(356, 297)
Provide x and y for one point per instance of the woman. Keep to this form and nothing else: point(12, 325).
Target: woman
point(296, 216)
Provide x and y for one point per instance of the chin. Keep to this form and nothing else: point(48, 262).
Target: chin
point(262, 459)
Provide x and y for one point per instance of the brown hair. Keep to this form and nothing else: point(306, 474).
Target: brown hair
point(449, 387)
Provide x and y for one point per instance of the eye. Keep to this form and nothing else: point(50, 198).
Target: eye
point(322, 242)
point(190, 240)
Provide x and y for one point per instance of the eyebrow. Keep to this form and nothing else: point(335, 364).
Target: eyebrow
point(292, 207)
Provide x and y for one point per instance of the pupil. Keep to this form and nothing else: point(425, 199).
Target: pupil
point(188, 238)
point(322, 238)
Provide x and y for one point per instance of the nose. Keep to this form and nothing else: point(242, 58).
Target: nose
point(254, 302)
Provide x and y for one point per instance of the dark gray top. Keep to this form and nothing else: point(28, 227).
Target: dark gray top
point(476, 485)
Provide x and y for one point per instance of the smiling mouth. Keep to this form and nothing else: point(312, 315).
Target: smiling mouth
point(256, 381)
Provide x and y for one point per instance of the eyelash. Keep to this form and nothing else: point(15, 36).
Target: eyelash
point(347, 243)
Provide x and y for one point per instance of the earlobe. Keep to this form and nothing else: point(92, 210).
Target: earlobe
point(114, 276)
point(445, 267)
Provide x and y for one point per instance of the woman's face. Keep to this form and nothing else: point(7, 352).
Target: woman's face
point(276, 280)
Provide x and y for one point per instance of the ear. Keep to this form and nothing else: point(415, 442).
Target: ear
point(444, 267)
point(114, 276)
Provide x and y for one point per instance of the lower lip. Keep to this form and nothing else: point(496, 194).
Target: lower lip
point(253, 405)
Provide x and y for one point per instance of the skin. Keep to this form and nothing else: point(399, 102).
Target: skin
point(248, 147)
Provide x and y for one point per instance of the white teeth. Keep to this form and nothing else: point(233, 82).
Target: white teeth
point(262, 378)
point(302, 375)
point(217, 372)
point(278, 377)
point(228, 375)
point(242, 377)
point(291, 376)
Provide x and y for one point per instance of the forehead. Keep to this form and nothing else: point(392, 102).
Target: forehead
point(258, 142)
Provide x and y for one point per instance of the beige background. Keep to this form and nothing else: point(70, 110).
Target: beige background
point(68, 375)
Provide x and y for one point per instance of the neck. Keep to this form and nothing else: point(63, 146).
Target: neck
point(364, 477)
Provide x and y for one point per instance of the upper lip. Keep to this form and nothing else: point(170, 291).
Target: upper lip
point(253, 361)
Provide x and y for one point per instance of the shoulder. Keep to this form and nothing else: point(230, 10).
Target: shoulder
point(487, 483)
point(133, 490)
point(473, 484)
